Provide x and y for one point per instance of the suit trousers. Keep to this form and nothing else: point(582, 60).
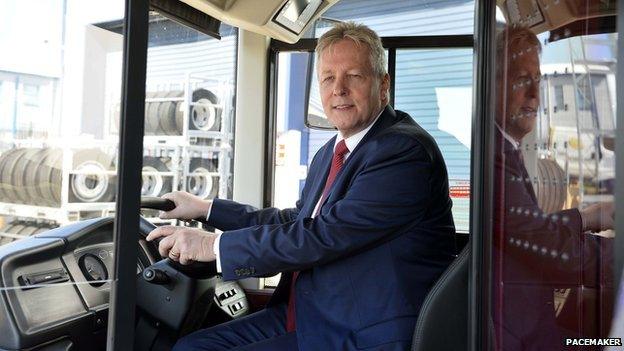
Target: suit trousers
point(261, 331)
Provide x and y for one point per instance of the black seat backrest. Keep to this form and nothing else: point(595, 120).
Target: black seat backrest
point(443, 320)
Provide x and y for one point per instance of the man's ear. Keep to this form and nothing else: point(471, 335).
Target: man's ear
point(384, 88)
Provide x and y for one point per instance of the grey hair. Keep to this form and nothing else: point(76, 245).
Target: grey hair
point(360, 34)
point(511, 41)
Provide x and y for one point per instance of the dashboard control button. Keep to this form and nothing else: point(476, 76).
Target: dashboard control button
point(155, 276)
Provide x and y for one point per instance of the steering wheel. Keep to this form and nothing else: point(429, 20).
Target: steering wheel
point(195, 270)
point(172, 294)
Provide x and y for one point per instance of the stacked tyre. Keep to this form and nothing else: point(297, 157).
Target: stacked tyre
point(205, 112)
point(202, 180)
point(31, 176)
point(93, 178)
point(34, 176)
point(154, 182)
point(165, 115)
point(16, 229)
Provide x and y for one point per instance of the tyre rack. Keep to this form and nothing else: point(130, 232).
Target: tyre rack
point(222, 171)
point(192, 144)
point(69, 209)
point(68, 213)
point(162, 170)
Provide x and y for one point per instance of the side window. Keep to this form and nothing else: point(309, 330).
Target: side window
point(295, 143)
point(553, 180)
point(559, 100)
point(56, 164)
point(584, 94)
point(435, 88)
point(60, 91)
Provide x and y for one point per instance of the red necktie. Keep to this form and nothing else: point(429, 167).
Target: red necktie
point(336, 165)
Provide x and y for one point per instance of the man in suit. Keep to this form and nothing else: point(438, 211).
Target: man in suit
point(534, 252)
point(369, 236)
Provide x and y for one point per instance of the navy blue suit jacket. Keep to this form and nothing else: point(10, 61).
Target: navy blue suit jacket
point(382, 237)
point(534, 253)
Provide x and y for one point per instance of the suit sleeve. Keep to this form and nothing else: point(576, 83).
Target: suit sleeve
point(387, 196)
point(550, 246)
point(230, 215)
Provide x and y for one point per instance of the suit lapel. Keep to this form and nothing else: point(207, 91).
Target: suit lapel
point(320, 177)
point(387, 118)
point(510, 152)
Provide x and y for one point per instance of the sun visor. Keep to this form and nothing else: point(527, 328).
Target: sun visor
point(187, 16)
point(284, 20)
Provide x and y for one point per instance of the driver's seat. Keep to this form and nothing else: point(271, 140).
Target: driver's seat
point(443, 320)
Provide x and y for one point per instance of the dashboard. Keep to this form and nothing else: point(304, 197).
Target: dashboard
point(55, 289)
point(97, 261)
point(57, 284)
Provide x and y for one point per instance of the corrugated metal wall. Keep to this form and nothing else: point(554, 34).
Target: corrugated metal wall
point(211, 58)
point(419, 73)
point(408, 17)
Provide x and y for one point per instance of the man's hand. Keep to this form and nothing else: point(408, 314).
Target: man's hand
point(598, 217)
point(188, 206)
point(184, 245)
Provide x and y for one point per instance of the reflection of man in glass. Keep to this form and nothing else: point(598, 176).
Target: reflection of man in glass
point(534, 252)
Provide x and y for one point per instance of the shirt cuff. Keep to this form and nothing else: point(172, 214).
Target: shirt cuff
point(215, 250)
point(209, 210)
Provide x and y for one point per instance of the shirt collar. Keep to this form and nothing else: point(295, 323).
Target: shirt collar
point(512, 141)
point(355, 139)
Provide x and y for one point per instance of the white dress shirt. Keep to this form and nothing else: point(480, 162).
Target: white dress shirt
point(514, 143)
point(351, 142)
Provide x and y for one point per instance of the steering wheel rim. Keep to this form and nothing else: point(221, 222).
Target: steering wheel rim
point(196, 270)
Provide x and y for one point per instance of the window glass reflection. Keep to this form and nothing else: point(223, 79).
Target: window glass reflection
point(553, 177)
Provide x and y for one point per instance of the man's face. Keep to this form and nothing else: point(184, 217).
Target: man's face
point(351, 93)
point(521, 86)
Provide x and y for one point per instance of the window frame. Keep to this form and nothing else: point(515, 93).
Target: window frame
point(481, 187)
point(618, 245)
point(122, 302)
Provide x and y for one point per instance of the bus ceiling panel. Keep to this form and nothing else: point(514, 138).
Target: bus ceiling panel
point(550, 15)
point(285, 20)
point(597, 25)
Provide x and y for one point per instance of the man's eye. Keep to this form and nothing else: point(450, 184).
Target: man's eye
point(327, 79)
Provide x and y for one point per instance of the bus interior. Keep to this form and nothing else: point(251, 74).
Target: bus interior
point(107, 105)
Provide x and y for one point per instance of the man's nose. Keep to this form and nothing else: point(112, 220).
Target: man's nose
point(533, 88)
point(340, 88)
